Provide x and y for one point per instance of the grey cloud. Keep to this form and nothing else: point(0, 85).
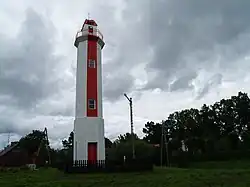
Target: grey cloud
point(191, 33)
point(28, 75)
point(67, 111)
point(214, 81)
point(125, 45)
point(114, 86)
point(27, 62)
point(7, 127)
point(183, 35)
point(183, 82)
point(12, 125)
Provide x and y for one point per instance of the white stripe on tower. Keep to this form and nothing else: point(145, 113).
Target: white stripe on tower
point(81, 77)
point(99, 80)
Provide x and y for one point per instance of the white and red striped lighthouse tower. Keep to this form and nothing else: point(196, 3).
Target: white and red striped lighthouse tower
point(89, 123)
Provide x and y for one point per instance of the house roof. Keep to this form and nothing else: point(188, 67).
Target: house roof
point(7, 149)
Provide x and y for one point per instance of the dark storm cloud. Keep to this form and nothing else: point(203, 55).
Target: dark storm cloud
point(12, 123)
point(126, 43)
point(7, 127)
point(114, 88)
point(27, 72)
point(183, 35)
point(27, 63)
point(192, 29)
point(183, 82)
point(10, 127)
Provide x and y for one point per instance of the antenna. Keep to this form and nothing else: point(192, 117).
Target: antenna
point(88, 15)
point(9, 138)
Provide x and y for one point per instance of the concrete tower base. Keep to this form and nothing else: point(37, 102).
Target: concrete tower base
point(89, 143)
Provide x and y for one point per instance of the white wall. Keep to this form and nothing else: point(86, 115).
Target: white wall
point(99, 79)
point(89, 130)
point(81, 80)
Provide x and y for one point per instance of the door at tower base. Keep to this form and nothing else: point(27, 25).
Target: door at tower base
point(92, 151)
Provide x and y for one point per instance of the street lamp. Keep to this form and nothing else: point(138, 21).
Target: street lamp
point(131, 124)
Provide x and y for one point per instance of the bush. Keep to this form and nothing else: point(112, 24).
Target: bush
point(118, 151)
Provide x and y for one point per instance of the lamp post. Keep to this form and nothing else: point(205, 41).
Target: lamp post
point(131, 124)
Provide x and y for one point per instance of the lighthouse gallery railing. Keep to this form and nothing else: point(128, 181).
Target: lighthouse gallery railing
point(85, 32)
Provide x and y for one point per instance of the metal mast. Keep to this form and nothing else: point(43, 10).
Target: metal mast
point(131, 124)
point(164, 140)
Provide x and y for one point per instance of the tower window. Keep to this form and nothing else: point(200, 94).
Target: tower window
point(91, 63)
point(90, 29)
point(91, 104)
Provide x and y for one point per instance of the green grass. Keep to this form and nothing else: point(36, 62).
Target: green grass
point(160, 177)
point(232, 164)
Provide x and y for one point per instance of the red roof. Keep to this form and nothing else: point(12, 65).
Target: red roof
point(7, 149)
point(90, 22)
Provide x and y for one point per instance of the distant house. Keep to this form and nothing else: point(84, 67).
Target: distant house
point(13, 156)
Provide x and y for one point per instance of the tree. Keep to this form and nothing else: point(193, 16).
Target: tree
point(123, 147)
point(152, 133)
point(223, 126)
point(31, 142)
point(125, 138)
point(108, 143)
point(68, 143)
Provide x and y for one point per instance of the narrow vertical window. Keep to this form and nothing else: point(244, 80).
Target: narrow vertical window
point(91, 29)
point(91, 104)
point(91, 63)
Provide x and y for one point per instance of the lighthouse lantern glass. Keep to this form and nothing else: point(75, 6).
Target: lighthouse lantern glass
point(91, 29)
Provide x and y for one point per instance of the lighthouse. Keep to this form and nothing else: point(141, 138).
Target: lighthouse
point(88, 143)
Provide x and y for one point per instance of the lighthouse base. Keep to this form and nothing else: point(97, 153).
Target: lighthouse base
point(89, 143)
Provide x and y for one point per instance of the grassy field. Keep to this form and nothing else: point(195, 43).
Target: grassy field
point(160, 177)
point(233, 164)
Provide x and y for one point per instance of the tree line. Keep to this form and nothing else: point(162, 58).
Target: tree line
point(214, 132)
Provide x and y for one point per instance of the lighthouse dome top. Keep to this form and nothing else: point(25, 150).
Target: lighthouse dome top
point(89, 31)
point(90, 22)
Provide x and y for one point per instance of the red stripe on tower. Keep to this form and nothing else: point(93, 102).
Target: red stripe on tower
point(92, 102)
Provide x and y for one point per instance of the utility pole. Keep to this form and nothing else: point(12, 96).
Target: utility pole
point(164, 138)
point(131, 124)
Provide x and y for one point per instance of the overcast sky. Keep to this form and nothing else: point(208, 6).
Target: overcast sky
point(167, 54)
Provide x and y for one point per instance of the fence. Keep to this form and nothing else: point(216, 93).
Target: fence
point(84, 166)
